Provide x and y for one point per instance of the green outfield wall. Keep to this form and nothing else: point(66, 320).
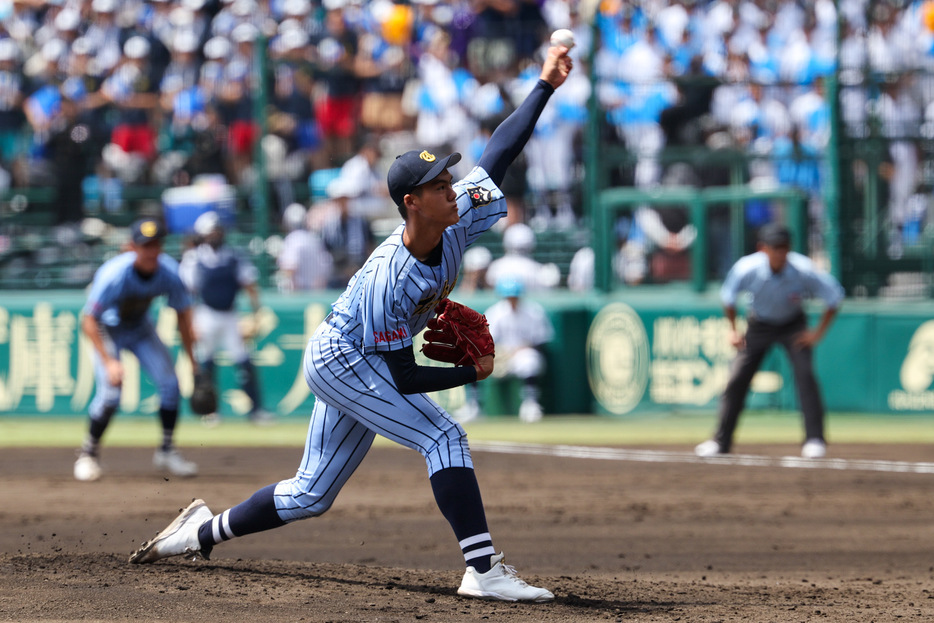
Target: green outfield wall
point(624, 353)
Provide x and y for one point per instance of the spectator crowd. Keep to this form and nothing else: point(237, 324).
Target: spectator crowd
point(160, 92)
point(749, 76)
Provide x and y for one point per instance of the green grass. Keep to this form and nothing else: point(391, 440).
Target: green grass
point(641, 430)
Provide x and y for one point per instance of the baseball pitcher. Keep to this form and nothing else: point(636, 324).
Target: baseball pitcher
point(361, 366)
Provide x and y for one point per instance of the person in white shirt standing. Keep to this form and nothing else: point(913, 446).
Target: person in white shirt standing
point(304, 262)
point(517, 262)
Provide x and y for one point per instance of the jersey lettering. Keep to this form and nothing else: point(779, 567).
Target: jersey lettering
point(390, 336)
point(430, 301)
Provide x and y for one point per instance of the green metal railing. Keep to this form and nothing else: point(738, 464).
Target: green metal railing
point(611, 202)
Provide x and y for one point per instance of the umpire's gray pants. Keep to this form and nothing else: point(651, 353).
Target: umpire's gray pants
point(760, 336)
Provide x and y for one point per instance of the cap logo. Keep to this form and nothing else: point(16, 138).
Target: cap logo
point(427, 157)
point(149, 229)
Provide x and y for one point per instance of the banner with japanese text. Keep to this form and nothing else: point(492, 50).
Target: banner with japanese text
point(611, 355)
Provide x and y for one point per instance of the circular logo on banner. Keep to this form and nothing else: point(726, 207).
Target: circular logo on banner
point(617, 358)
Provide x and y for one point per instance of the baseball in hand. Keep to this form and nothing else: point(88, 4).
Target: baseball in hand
point(564, 37)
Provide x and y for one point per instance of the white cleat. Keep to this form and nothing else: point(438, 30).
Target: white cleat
point(262, 417)
point(87, 468)
point(708, 448)
point(172, 461)
point(530, 411)
point(814, 449)
point(500, 582)
point(469, 412)
point(180, 538)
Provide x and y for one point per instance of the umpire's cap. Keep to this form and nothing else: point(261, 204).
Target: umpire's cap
point(775, 235)
point(146, 230)
point(414, 168)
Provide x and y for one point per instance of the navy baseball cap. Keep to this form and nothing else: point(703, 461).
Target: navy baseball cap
point(146, 230)
point(414, 168)
point(775, 235)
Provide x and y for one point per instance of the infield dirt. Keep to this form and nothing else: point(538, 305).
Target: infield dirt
point(614, 540)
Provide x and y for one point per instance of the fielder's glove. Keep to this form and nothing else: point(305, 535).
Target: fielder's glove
point(203, 399)
point(457, 335)
point(248, 326)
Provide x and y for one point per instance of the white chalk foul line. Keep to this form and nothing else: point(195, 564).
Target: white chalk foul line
point(660, 456)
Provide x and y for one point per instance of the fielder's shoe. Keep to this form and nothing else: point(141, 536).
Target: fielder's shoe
point(530, 411)
point(211, 420)
point(172, 461)
point(87, 468)
point(708, 448)
point(180, 538)
point(814, 449)
point(261, 417)
point(500, 582)
point(468, 413)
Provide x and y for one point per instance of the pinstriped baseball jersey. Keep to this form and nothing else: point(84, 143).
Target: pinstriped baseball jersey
point(360, 363)
point(393, 295)
point(387, 301)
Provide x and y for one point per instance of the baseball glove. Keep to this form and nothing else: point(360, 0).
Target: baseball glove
point(203, 399)
point(457, 335)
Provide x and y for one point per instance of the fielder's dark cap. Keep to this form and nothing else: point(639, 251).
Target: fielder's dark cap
point(414, 168)
point(775, 235)
point(146, 230)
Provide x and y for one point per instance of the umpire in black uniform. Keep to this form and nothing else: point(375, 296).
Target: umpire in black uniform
point(778, 281)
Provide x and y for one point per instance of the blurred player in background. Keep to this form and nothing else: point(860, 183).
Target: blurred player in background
point(779, 281)
point(520, 328)
point(361, 364)
point(215, 273)
point(517, 262)
point(304, 262)
point(476, 261)
point(115, 318)
point(347, 235)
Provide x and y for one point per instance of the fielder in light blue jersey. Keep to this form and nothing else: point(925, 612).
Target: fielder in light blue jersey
point(115, 318)
point(361, 366)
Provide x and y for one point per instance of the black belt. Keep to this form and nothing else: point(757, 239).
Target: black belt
point(778, 325)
